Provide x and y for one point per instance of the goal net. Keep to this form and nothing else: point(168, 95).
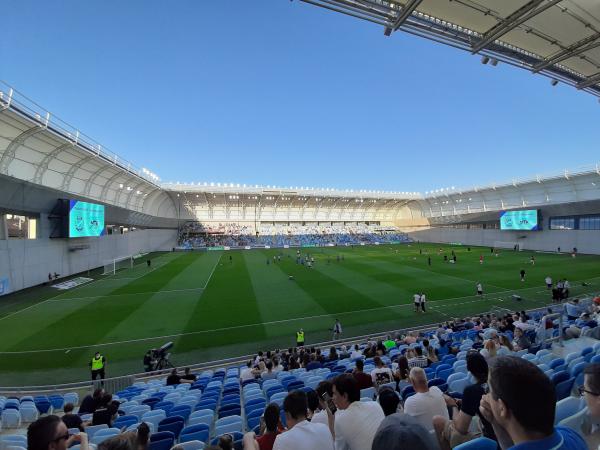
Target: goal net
point(111, 267)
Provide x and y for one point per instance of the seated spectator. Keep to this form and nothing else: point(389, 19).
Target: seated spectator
point(266, 440)
point(402, 432)
point(268, 374)
point(314, 363)
point(71, 420)
point(175, 379)
point(381, 374)
point(401, 373)
point(521, 342)
point(451, 433)
point(90, 403)
point(123, 441)
point(429, 351)
point(107, 412)
point(247, 373)
point(333, 356)
point(356, 426)
point(188, 375)
point(301, 434)
point(489, 350)
point(389, 400)
point(506, 347)
point(574, 331)
point(364, 380)
point(520, 406)
point(51, 433)
point(320, 416)
point(427, 402)
point(573, 309)
point(419, 360)
point(226, 442)
point(591, 393)
point(277, 367)
point(356, 353)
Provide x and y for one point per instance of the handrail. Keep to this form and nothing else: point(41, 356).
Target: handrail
point(12, 99)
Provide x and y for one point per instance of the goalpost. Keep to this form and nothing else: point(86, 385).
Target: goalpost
point(124, 262)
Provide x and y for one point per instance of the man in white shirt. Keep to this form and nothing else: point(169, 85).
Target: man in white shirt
point(381, 374)
point(355, 423)
point(301, 434)
point(548, 281)
point(417, 300)
point(427, 402)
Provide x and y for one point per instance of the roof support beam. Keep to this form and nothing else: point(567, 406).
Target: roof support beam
point(515, 19)
point(589, 81)
point(575, 49)
point(403, 15)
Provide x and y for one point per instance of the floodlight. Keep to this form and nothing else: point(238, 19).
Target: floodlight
point(494, 62)
point(485, 59)
point(554, 82)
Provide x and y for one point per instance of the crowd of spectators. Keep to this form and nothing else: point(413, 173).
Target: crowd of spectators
point(198, 235)
point(509, 399)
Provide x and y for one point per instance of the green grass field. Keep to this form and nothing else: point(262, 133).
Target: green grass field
point(213, 307)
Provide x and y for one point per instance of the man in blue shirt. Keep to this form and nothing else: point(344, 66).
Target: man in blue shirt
point(520, 406)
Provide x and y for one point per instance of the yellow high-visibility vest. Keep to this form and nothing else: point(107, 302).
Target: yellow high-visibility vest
point(300, 336)
point(97, 364)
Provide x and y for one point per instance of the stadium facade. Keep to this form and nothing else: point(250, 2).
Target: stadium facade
point(43, 160)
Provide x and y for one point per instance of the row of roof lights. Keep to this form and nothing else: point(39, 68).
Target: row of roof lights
point(129, 188)
point(257, 186)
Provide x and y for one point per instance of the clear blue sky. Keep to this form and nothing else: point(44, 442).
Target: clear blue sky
point(284, 93)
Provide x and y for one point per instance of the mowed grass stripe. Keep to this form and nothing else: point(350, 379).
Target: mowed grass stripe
point(278, 296)
point(228, 300)
point(94, 319)
point(332, 295)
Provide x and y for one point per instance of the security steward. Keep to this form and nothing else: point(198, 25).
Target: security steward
point(97, 365)
point(300, 338)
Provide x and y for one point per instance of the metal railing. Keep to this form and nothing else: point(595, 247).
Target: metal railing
point(12, 99)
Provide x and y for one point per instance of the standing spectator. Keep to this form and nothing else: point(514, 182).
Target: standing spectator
point(107, 411)
point(98, 367)
point(51, 433)
point(419, 360)
point(364, 380)
point(355, 428)
point(451, 433)
point(381, 374)
point(427, 402)
point(520, 406)
point(591, 393)
point(301, 434)
point(267, 437)
point(71, 420)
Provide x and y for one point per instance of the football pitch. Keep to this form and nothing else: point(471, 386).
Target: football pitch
point(219, 304)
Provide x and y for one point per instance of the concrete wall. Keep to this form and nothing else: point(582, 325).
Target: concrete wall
point(26, 263)
point(586, 241)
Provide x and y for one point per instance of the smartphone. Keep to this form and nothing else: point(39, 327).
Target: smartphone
point(329, 401)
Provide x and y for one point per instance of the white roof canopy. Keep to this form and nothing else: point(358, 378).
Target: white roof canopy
point(556, 38)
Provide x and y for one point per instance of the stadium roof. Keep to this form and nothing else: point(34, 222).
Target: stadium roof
point(556, 38)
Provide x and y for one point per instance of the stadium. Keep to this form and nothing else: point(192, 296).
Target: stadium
point(99, 255)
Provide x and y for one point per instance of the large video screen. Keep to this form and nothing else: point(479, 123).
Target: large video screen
point(85, 219)
point(519, 220)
